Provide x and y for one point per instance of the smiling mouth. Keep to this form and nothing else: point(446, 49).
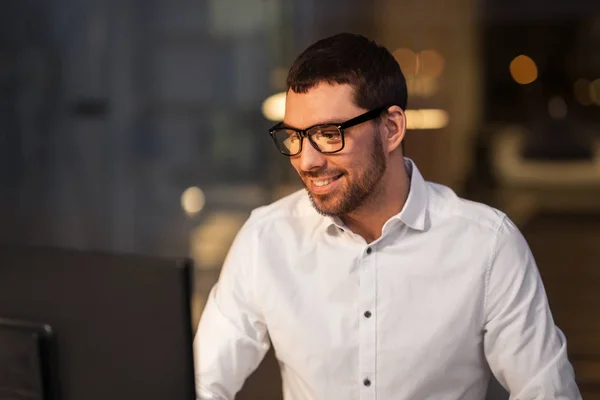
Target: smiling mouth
point(325, 182)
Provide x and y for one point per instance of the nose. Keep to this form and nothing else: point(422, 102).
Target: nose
point(310, 158)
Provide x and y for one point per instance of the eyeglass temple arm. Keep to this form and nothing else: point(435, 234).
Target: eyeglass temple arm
point(363, 118)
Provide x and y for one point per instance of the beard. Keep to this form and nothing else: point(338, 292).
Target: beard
point(355, 190)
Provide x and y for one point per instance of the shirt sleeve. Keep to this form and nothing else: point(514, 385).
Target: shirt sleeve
point(526, 352)
point(231, 339)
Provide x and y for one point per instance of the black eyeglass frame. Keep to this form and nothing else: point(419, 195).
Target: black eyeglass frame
point(303, 133)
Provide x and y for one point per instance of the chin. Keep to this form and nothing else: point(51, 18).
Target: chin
point(325, 207)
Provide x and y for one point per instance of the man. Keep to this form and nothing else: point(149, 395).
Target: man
point(373, 283)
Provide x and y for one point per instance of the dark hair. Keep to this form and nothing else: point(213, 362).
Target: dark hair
point(351, 59)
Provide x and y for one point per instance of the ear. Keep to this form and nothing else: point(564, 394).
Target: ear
point(394, 121)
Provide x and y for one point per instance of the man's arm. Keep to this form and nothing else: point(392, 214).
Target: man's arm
point(232, 338)
point(525, 350)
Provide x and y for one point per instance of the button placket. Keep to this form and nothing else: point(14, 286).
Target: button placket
point(367, 324)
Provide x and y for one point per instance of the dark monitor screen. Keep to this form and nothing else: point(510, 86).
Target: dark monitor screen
point(27, 363)
point(104, 326)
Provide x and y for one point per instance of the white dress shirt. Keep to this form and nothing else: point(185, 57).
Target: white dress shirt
point(449, 294)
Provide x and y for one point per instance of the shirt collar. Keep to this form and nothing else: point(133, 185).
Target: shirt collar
point(414, 212)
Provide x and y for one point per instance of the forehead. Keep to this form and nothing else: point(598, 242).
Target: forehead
point(325, 103)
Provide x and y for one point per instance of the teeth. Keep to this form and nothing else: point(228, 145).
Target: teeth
point(322, 183)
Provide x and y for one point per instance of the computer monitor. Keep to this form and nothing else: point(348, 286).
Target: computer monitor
point(27, 361)
point(78, 325)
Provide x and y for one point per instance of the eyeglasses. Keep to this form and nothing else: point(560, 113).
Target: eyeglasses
point(326, 138)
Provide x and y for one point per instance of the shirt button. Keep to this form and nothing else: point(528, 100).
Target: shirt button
point(368, 314)
point(369, 250)
point(367, 382)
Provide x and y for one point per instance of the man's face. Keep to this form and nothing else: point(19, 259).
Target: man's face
point(337, 183)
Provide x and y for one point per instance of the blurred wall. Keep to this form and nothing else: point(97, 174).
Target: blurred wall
point(450, 27)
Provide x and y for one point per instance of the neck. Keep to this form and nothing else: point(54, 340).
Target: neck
point(387, 201)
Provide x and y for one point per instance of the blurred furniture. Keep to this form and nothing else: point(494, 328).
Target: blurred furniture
point(526, 186)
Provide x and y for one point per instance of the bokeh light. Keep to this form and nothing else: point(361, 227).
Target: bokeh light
point(595, 92)
point(192, 200)
point(523, 70)
point(407, 60)
point(273, 108)
point(430, 63)
point(426, 119)
point(557, 107)
point(581, 91)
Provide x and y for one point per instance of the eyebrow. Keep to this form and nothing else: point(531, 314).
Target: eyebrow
point(282, 124)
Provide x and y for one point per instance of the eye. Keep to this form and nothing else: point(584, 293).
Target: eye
point(330, 133)
point(290, 138)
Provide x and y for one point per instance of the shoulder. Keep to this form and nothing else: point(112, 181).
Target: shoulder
point(446, 206)
point(479, 227)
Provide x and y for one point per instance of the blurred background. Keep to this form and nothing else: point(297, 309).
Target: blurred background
point(141, 126)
